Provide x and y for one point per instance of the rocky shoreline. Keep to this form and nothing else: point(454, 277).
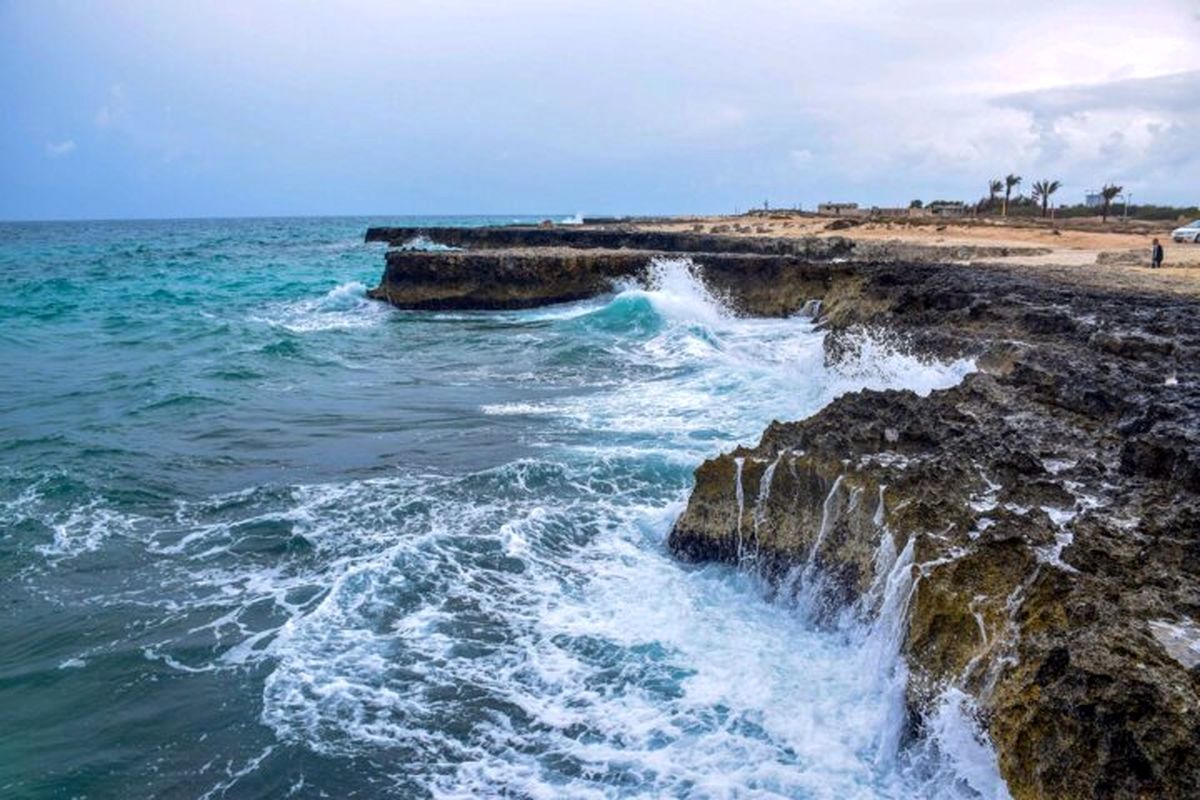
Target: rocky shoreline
point(1045, 509)
point(712, 241)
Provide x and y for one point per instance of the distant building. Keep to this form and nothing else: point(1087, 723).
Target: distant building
point(947, 208)
point(1093, 199)
point(839, 209)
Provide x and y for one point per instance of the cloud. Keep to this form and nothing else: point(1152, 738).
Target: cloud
point(113, 110)
point(801, 157)
point(1178, 92)
point(612, 105)
point(1140, 131)
point(60, 149)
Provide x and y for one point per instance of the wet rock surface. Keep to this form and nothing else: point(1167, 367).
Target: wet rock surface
point(521, 266)
point(1047, 507)
point(1049, 501)
point(521, 278)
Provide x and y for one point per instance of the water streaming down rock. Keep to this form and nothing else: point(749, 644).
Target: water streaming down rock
point(764, 496)
point(829, 511)
point(1050, 497)
point(951, 744)
point(1027, 581)
point(806, 581)
point(739, 491)
point(885, 559)
point(886, 636)
point(480, 621)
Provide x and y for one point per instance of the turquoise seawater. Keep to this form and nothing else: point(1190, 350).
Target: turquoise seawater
point(262, 537)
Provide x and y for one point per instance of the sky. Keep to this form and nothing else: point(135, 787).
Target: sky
point(152, 109)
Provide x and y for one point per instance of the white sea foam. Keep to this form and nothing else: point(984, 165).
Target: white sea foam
point(726, 370)
point(710, 700)
point(876, 360)
point(424, 243)
point(523, 630)
point(344, 307)
point(75, 530)
point(500, 409)
point(678, 293)
point(961, 752)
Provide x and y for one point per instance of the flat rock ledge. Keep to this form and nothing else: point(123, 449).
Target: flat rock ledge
point(1045, 510)
point(528, 277)
point(626, 237)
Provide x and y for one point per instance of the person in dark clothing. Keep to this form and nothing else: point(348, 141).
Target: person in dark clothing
point(1156, 255)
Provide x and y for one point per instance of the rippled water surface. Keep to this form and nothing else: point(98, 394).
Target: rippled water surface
point(261, 537)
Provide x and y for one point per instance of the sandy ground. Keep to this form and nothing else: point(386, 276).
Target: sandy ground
point(1075, 245)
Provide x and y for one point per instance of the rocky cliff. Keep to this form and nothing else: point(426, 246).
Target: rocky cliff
point(525, 277)
point(1048, 503)
point(1046, 508)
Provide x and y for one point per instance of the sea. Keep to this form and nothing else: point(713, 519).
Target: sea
point(262, 537)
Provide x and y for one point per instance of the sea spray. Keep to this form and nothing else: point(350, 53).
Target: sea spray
point(674, 287)
point(870, 358)
point(428, 245)
point(343, 307)
point(414, 553)
point(881, 651)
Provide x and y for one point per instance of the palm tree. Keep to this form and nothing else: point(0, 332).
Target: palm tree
point(1108, 193)
point(994, 187)
point(1042, 190)
point(1010, 181)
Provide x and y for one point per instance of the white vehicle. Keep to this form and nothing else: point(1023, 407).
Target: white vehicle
point(1188, 233)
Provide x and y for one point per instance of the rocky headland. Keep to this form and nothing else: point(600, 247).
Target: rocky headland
point(1045, 510)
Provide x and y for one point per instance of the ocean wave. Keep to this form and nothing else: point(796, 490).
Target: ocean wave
point(62, 518)
point(520, 629)
point(344, 307)
point(425, 244)
point(875, 359)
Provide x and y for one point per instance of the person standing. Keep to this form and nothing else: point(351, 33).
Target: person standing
point(1156, 254)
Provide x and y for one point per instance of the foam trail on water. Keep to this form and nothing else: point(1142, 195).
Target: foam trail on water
point(519, 628)
point(344, 307)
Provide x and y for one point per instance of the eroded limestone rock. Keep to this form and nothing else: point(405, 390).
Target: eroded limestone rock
point(1050, 501)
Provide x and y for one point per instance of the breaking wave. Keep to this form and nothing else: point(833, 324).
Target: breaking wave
point(425, 244)
point(422, 625)
point(343, 307)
